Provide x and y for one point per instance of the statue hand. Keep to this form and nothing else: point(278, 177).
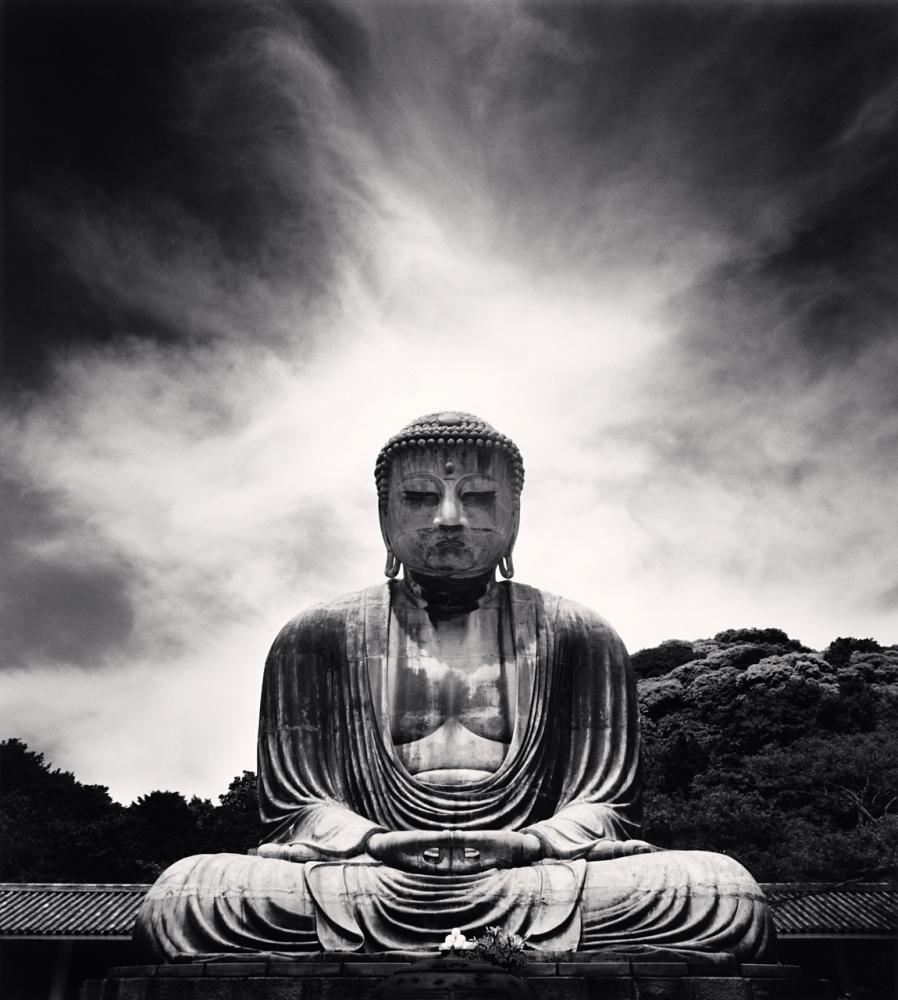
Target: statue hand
point(455, 852)
point(478, 850)
point(288, 852)
point(608, 850)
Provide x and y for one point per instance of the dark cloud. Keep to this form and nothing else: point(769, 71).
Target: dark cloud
point(86, 101)
point(64, 598)
point(151, 139)
point(821, 290)
point(771, 130)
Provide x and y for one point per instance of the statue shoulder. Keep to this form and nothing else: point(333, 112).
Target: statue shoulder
point(576, 617)
point(324, 625)
point(573, 621)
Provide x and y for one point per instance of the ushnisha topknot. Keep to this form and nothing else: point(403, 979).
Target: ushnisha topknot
point(451, 429)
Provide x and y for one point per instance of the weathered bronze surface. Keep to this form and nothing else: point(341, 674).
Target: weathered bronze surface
point(445, 750)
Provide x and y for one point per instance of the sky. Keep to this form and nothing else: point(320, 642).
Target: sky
point(246, 242)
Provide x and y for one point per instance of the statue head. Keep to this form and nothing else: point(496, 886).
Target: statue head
point(449, 489)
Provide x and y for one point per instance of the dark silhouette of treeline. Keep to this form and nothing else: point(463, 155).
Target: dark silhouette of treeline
point(753, 746)
point(55, 829)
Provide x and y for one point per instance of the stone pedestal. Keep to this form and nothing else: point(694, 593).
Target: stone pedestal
point(559, 976)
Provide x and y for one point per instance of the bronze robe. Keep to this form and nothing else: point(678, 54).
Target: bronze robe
point(328, 773)
point(329, 777)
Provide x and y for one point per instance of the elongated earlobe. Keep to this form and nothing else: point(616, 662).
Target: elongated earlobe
point(393, 564)
point(506, 566)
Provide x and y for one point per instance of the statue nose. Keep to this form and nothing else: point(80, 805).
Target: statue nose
point(450, 514)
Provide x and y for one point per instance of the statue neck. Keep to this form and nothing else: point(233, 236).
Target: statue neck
point(443, 597)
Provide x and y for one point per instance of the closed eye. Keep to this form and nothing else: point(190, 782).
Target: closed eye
point(416, 498)
point(480, 497)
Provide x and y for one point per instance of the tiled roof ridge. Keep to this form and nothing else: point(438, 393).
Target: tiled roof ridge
point(780, 893)
point(776, 889)
point(78, 886)
point(804, 888)
point(108, 909)
point(832, 886)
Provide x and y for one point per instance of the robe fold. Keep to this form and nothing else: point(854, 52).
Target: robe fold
point(329, 775)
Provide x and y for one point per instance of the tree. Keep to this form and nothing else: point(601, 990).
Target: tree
point(783, 758)
point(234, 825)
point(661, 659)
point(839, 651)
point(55, 829)
point(161, 828)
point(52, 827)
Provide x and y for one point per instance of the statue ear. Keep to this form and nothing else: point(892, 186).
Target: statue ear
point(391, 569)
point(384, 530)
point(506, 566)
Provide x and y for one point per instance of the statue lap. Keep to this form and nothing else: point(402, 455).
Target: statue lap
point(212, 905)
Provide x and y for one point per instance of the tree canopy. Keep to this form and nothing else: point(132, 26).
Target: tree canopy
point(782, 757)
point(55, 829)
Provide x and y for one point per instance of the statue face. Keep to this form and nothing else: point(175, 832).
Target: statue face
point(450, 511)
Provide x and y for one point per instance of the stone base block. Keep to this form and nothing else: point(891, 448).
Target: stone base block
point(335, 976)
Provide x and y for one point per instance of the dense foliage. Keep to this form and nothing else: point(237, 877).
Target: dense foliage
point(753, 745)
point(784, 758)
point(54, 829)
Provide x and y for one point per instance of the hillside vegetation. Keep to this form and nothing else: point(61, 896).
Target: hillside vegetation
point(784, 758)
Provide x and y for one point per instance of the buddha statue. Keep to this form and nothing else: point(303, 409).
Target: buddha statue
point(447, 750)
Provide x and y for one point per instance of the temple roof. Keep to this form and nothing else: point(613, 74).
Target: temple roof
point(71, 910)
point(827, 910)
point(64, 909)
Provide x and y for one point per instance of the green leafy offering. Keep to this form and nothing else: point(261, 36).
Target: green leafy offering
point(502, 949)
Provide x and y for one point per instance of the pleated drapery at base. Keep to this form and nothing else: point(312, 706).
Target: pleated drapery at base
point(679, 900)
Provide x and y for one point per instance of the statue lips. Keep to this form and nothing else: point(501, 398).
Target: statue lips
point(451, 544)
point(450, 554)
point(453, 540)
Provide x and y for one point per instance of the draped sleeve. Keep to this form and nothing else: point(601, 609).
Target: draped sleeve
point(305, 739)
point(595, 712)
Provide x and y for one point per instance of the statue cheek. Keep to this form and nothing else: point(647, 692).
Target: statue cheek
point(409, 537)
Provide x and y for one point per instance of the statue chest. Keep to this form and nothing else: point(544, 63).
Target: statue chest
point(451, 691)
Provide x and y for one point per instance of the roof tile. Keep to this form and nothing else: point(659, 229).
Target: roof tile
point(68, 910)
point(30, 909)
point(824, 908)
